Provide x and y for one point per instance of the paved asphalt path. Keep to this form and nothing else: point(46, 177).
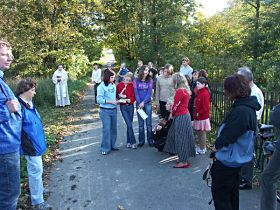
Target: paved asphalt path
point(126, 179)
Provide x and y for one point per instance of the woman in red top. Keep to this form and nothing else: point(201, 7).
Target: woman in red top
point(181, 131)
point(125, 94)
point(201, 121)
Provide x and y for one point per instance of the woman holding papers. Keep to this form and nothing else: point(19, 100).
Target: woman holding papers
point(125, 94)
point(143, 86)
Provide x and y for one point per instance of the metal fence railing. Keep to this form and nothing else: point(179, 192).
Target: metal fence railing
point(220, 105)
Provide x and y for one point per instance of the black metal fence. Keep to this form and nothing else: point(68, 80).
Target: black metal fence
point(220, 105)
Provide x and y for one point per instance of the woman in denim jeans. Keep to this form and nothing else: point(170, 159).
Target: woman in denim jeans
point(106, 97)
point(33, 141)
point(143, 86)
point(125, 93)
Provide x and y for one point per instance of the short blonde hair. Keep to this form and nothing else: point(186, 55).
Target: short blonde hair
point(130, 75)
point(186, 59)
point(4, 43)
point(180, 81)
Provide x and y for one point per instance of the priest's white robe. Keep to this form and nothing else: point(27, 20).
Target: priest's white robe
point(60, 78)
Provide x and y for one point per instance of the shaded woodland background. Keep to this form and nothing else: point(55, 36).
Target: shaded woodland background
point(45, 33)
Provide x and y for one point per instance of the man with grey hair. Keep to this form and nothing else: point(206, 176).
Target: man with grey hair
point(10, 135)
point(246, 175)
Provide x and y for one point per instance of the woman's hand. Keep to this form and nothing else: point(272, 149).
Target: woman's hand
point(170, 116)
point(128, 100)
point(114, 102)
point(141, 105)
point(12, 106)
point(122, 95)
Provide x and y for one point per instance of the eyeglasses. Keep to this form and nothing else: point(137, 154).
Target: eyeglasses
point(7, 55)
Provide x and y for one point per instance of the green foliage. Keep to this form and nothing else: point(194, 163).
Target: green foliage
point(45, 33)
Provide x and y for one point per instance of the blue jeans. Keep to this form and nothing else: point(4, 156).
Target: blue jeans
point(127, 113)
point(148, 109)
point(9, 180)
point(109, 129)
point(35, 171)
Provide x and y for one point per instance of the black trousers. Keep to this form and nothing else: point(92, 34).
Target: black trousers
point(225, 186)
point(163, 112)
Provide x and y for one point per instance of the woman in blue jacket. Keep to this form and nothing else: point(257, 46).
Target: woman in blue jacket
point(33, 141)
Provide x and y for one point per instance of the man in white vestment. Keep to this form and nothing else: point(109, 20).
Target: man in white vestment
point(60, 78)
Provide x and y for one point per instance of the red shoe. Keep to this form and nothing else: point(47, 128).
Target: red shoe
point(178, 165)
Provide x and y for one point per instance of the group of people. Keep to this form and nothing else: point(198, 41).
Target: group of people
point(21, 133)
point(183, 100)
point(177, 88)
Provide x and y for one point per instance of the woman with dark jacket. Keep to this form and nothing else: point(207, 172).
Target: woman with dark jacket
point(33, 141)
point(234, 145)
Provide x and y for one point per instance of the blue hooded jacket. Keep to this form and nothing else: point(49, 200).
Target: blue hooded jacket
point(33, 136)
point(10, 123)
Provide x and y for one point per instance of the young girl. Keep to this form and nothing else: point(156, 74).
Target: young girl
point(143, 86)
point(181, 129)
point(201, 121)
point(125, 92)
point(106, 97)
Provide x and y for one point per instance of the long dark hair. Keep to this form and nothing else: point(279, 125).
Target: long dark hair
point(106, 77)
point(141, 74)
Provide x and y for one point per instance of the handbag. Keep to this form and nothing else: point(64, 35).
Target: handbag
point(207, 175)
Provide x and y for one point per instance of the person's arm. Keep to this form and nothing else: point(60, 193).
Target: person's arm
point(92, 77)
point(100, 95)
point(4, 113)
point(131, 94)
point(235, 126)
point(177, 100)
point(118, 90)
point(149, 92)
point(54, 78)
point(205, 104)
point(64, 77)
point(136, 91)
point(157, 91)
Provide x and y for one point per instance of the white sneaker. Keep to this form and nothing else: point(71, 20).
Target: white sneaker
point(128, 145)
point(134, 146)
point(201, 151)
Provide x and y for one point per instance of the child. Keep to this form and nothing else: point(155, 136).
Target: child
point(201, 115)
point(125, 94)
